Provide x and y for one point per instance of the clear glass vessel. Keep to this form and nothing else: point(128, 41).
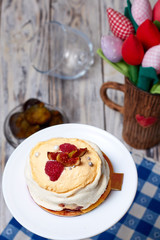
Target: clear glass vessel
point(61, 51)
point(10, 136)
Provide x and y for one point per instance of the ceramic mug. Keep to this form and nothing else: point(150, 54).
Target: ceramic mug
point(141, 114)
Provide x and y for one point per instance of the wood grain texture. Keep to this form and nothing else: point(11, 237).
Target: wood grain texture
point(80, 98)
point(18, 80)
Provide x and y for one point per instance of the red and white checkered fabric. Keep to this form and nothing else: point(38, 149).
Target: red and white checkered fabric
point(141, 10)
point(152, 58)
point(120, 26)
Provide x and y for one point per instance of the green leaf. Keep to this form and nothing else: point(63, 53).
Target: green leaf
point(121, 66)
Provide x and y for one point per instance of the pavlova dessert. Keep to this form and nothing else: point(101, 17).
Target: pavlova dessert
point(69, 176)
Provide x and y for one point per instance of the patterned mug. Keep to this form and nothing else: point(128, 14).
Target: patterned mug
point(141, 114)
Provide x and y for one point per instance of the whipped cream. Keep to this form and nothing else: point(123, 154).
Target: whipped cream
point(83, 197)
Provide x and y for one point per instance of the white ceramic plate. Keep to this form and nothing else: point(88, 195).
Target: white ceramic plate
point(98, 220)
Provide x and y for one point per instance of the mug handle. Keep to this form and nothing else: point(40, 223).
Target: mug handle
point(107, 100)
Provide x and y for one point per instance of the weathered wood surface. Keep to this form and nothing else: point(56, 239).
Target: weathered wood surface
point(79, 98)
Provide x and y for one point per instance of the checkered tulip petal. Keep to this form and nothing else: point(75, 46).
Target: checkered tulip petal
point(152, 58)
point(141, 10)
point(119, 24)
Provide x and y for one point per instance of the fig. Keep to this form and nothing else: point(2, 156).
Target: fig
point(52, 155)
point(56, 118)
point(63, 158)
point(37, 114)
point(80, 152)
point(20, 127)
point(31, 102)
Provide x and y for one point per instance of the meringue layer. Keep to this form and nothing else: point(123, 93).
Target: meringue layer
point(79, 186)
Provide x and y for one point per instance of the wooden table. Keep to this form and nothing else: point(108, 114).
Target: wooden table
point(80, 98)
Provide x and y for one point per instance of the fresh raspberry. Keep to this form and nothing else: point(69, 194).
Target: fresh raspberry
point(67, 147)
point(54, 169)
